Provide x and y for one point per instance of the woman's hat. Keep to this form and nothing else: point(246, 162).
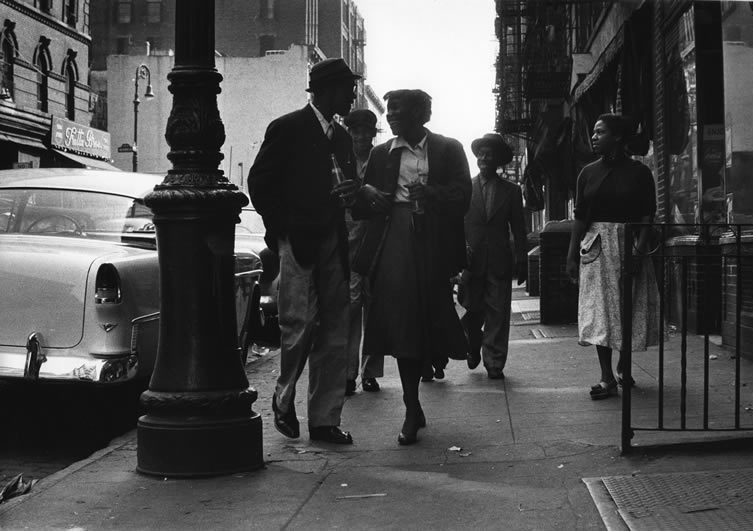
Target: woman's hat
point(495, 141)
point(330, 71)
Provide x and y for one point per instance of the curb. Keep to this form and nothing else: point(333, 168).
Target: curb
point(127, 438)
point(52, 480)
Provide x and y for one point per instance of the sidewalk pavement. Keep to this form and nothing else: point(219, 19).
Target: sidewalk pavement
point(527, 452)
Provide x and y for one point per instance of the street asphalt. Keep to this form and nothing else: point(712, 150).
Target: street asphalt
point(520, 453)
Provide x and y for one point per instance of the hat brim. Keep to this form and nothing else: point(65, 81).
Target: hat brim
point(501, 150)
point(332, 81)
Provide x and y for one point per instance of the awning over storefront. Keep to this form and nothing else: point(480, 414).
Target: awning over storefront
point(610, 53)
point(4, 137)
point(88, 161)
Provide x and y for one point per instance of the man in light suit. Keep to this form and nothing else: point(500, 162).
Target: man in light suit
point(485, 289)
point(291, 186)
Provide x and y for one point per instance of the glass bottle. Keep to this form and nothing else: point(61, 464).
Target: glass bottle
point(337, 174)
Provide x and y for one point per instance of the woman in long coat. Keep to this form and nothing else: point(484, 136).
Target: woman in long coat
point(417, 189)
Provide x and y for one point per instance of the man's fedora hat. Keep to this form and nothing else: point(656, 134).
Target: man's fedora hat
point(361, 118)
point(495, 141)
point(330, 71)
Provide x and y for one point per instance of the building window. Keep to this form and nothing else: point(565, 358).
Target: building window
point(43, 62)
point(154, 11)
point(9, 49)
point(70, 12)
point(267, 9)
point(70, 72)
point(124, 12)
point(122, 44)
point(266, 43)
point(45, 5)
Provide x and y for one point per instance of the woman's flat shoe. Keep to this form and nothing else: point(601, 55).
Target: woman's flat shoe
point(620, 380)
point(604, 390)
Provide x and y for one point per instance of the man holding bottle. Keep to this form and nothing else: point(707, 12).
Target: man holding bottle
point(292, 185)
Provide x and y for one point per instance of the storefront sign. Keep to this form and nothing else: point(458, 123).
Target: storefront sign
point(81, 139)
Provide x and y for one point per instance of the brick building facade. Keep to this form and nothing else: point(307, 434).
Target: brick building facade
point(44, 47)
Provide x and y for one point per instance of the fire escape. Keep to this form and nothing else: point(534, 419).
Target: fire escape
point(534, 68)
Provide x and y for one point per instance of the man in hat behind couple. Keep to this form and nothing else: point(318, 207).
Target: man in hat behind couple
point(485, 289)
point(291, 186)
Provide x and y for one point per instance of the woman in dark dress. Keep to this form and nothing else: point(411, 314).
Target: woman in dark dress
point(417, 189)
point(612, 191)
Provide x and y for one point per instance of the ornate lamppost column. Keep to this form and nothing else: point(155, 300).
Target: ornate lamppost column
point(199, 419)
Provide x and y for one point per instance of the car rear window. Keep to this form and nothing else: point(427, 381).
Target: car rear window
point(71, 213)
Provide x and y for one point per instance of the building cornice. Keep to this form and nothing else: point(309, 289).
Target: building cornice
point(48, 20)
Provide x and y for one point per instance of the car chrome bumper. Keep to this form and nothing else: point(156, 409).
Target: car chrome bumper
point(118, 368)
point(36, 362)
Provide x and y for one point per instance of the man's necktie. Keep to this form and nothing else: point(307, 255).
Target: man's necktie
point(488, 190)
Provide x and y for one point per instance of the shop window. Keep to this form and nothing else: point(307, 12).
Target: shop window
point(680, 112)
point(266, 43)
point(124, 12)
point(43, 62)
point(737, 47)
point(154, 11)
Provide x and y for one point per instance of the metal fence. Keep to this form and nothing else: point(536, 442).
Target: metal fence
point(704, 277)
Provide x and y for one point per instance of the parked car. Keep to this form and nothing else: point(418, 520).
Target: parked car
point(249, 234)
point(79, 277)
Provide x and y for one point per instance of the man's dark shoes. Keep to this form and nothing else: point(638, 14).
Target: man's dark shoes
point(350, 388)
point(439, 373)
point(370, 385)
point(495, 374)
point(330, 434)
point(473, 359)
point(286, 423)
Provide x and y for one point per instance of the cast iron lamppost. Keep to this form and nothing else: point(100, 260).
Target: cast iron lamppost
point(142, 72)
point(199, 419)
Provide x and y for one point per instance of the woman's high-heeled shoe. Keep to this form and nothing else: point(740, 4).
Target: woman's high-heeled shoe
point(409, 434)
point(421, 419)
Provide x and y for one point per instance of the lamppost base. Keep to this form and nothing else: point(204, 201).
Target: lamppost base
point(196, 447)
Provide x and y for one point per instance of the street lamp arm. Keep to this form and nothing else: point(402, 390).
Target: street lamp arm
point(142, 72)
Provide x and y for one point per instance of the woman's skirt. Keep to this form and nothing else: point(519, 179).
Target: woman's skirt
point(410, 313)
point(600, 292)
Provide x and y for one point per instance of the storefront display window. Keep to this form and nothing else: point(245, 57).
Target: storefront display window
point(737, 33)
point(680, 90)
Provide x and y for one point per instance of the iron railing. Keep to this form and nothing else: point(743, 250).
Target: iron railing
point(702, 293)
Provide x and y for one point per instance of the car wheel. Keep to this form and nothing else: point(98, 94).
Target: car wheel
point(252, 325)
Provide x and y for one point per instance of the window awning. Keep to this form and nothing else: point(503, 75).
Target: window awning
point(24, 141)
point(88, 161)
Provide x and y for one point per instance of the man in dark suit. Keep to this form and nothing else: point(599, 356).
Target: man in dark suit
point(292, 185)
point(486, 285)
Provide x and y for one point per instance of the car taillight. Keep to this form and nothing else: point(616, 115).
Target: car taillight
point(107, 288)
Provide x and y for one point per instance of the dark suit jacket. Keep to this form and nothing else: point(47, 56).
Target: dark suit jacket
point(488, 237)
point(448, 195)
point(290, 183)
